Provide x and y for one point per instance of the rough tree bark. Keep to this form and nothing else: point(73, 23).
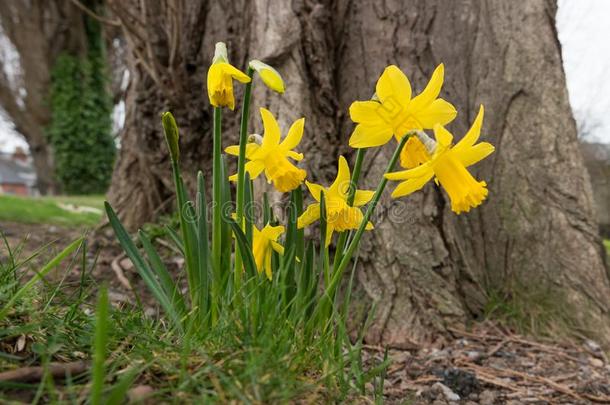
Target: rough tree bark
point(425, 267)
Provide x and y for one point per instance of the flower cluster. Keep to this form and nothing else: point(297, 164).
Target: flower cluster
point(391, 112)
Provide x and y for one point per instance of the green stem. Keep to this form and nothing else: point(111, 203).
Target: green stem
point(353, 185)
point(217, 196)
point(369, 212)
point(241, 174)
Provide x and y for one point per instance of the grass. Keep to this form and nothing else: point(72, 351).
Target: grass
point(607, 245)
point(47, 210)
point(125, 346)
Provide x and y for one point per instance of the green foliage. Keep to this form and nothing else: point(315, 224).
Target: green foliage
point(226, 364)
point(81, 123)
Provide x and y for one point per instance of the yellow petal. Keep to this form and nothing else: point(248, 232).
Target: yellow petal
point(271, 137)
point(341, 184)
point(234, 149)
point(277, 247)
point(437, 112)
point(419, 171)
point(294, 155)
point(311, 214)
point(272, 232)
point(234, 73)
point(366, 136)
point(474, 154)
point(369, 226)
point(443, 137)
point(273, 80)
point(295, 133)
point(472, 136)
point(329, 235)
point(254, 168)
point(268, 269)
point(411, 185)
point(431, 91)
point(393, 87)
point(362, 197)
point(315, 190)
point(366, 112)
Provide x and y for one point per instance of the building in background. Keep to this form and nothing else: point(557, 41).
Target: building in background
point(17, 174)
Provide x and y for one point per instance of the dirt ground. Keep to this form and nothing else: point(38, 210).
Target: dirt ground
point(487, 364)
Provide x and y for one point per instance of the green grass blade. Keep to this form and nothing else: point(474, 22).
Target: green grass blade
point(39, 275)
point(165, 279)
point(100, 343)
point(141, 266)
point(203, 247)
point(247, 256)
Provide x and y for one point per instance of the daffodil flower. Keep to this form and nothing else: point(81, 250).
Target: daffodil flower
point(448, 164)
point(264, 242)
point(220, 79)
point(395, 113)
point(269, 75)
point(339, 215)
point(272, 155)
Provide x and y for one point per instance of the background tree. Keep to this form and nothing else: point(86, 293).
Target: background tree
point(80, 128)
point(41, 31)
point(426, 268)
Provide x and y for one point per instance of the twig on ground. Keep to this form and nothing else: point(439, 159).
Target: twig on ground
point(36, 373)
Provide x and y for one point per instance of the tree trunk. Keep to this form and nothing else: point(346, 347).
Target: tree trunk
point(424, 266)
point(39, 30)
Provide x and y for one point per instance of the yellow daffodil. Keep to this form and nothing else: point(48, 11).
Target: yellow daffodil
point(272, 155)
point(339, 215)
point(448, 164)
point(220, 79)
point(264, 242)
point(395, 112)
point(269, 75)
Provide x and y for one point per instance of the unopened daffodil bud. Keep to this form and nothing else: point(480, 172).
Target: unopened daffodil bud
point(269, 75)
point(220, 79)
point(170, 130)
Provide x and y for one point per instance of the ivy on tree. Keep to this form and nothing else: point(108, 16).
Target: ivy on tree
point(81, 125)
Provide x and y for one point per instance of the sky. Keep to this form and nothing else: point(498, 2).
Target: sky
point(584, 32)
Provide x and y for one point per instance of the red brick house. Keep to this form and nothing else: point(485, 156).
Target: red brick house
point(17, 175)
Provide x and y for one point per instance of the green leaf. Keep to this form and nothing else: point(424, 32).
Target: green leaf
point(141, 266)
point(98, 373)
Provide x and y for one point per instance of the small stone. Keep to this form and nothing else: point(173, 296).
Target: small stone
point(474, 355)
point(139, 393)
point(487, 397)
point(446, 391)
point(596, 362)
point(126, 264)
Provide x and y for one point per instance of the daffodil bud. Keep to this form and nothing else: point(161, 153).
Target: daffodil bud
point(220, 53)
point(255, 138)
point(171, 135)
point(269, 75)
